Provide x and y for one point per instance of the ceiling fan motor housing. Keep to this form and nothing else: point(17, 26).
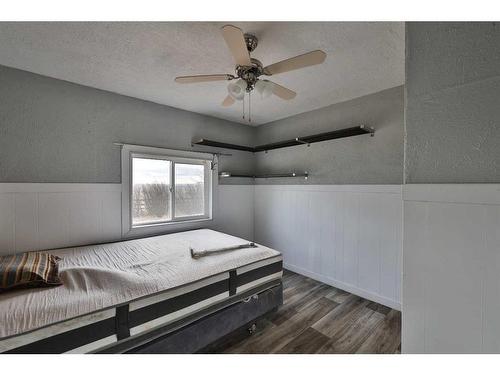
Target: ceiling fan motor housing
point(250, 74)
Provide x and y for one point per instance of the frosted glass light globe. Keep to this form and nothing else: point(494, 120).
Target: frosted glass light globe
point(264, 88)
point(237, 89)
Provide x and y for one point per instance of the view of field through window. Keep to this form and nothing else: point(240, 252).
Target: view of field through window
point(152, 190)
point(189, 190)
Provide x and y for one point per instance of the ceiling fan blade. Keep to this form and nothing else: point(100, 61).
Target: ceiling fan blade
point(204, 78)
point(237, 45)
point(283, 92)
point(297, 62)
point(228, 101)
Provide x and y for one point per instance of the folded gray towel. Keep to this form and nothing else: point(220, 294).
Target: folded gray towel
point(195, 254)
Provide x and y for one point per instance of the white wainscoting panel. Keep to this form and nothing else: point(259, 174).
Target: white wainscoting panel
point(451, 269)
point(348, 236)
point(46, 216)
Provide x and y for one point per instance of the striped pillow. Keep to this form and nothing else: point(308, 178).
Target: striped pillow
point(29, 270)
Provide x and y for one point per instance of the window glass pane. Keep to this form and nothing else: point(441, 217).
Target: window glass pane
point(151, 190)
point(189, 189)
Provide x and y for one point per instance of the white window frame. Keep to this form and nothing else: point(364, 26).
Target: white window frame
point(174, 156)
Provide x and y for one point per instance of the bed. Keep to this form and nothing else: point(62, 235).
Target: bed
point(143, 296)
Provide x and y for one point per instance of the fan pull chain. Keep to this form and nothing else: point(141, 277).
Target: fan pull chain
point(243, 107)
point(249, 107)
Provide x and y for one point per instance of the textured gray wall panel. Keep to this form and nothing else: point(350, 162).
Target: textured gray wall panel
point(357, 160)
point(452, 103)
point(55, 131)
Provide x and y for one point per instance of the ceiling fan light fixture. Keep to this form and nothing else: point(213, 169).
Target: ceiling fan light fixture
point(237, 89)
point(248, 70)
point(264, 88)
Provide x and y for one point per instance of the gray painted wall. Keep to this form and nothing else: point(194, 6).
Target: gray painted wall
point(357, 160)
point(452, 103)
point(55, 131)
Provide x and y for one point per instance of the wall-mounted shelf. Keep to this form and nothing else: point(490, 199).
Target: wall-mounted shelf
point(207, 142)
point(335, 134)
point(275, 175)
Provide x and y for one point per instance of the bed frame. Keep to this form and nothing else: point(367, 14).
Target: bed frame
point(200, 331)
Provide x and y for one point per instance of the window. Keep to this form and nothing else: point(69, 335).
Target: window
point(165, 189)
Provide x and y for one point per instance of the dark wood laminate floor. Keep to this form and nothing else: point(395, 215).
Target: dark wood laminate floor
point(318, 318)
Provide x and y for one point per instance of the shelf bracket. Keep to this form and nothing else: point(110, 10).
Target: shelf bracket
point(369, 129)
point(303, 142)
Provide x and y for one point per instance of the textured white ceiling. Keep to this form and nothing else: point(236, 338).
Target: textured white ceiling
point(141, 59)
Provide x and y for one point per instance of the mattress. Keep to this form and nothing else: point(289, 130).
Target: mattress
point(118, 291)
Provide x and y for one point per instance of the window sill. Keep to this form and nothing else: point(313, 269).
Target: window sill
point(165, 228)
point(168, 223)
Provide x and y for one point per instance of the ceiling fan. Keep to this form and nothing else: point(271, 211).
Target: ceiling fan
point(248, 71)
